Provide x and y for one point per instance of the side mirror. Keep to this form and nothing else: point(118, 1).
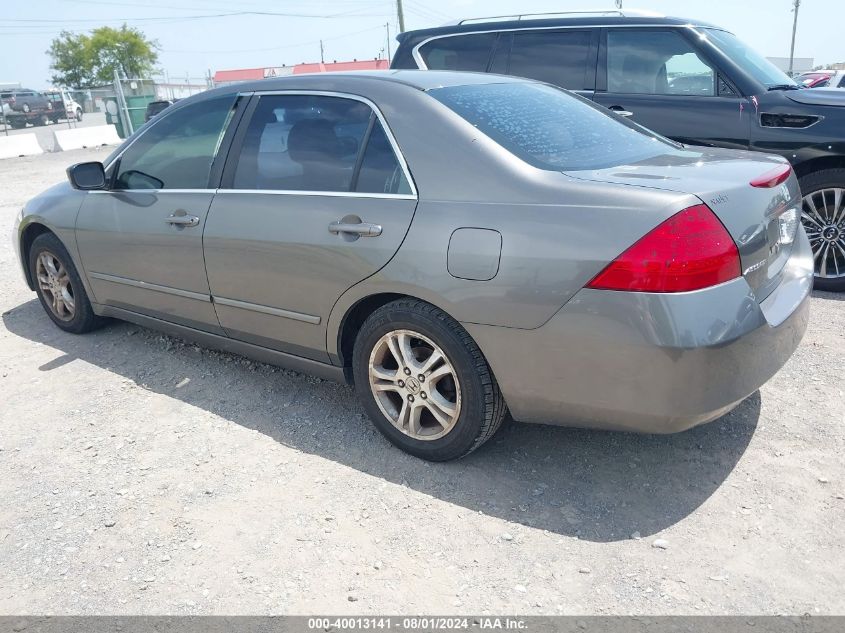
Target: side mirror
point(87, 176)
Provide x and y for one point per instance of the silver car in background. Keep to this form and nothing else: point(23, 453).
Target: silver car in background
point(458, 246)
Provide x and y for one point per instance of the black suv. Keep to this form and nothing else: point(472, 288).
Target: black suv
point(690, 81)
point(22, 106)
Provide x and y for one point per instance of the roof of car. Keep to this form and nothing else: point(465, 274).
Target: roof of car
point(540, 21)
point(419, 79)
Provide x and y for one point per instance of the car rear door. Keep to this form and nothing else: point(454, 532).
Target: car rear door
point(315, 197)
point(659, 78)
point(141, 241)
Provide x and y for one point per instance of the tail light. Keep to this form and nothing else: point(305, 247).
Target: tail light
point(773, 177)
point(689, 251)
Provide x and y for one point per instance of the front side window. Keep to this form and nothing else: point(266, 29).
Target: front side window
point(178, 150)
point(656, 63)
point(549, 128)
point(317, 143)
point(556, 57)
point(459, 52)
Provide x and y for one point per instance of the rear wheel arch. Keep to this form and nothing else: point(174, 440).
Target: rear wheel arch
point(816, 165)
point(351, 323)
point(354, 317)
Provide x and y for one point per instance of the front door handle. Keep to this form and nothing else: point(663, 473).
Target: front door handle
point(180, 218)
point(363, 229)
point(621, 111)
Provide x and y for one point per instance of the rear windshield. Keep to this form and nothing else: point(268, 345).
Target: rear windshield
point(549, 128)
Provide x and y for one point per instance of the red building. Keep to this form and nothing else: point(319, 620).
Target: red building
point(247, 74)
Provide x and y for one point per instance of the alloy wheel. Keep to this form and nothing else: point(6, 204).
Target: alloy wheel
point(54, 282)
point(415, 385)
point(823, 216)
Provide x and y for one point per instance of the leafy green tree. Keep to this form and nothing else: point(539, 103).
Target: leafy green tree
point(84, 61)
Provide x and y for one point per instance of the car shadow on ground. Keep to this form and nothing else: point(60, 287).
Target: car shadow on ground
point(598, 486)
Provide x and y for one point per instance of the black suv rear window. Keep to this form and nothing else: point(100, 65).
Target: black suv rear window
point(549, 128)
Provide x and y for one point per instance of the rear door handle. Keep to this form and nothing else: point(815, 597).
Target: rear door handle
point(364, 229)
point(621, 111)
point(182, 219)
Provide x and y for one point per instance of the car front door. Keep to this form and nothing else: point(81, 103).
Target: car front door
point(659, 79)
point(141, 240)
point(315, 197)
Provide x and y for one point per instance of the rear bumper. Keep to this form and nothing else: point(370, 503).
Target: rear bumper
point(655, 363)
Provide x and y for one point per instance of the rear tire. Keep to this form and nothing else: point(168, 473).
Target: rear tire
point(42, 120)
point(458, 402)
point(79, 115)
point(53, 273)
point(820, 190)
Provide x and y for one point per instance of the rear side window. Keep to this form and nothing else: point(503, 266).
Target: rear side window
point(549, 128)
point(556, 57)
point(460, 52)
point(656, 63)
point(317, 143)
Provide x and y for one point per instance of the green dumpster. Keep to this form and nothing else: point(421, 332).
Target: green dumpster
point(138, 109)
point(137, 106)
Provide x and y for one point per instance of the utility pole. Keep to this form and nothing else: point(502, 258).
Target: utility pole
point(401, 15)
point(322, 58)
point(796, 4)
point(387, 26)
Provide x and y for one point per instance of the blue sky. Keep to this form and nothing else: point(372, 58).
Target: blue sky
point(191, 45)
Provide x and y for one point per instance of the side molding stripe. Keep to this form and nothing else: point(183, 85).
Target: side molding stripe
point(255, 307)
point(154, 287)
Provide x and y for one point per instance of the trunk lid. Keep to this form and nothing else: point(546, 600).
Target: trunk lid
point(754, 216)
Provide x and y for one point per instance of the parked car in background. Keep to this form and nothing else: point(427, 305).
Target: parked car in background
point(690, 81)
point(64, 106)
point(814, 78)
point(825, 79)
point(456, 245)
point(155, 108)
point(22, 106)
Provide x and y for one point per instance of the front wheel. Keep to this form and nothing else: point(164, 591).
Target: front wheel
point(823, 216)
point(59, 286)
point(79, 115)
point(424, 382)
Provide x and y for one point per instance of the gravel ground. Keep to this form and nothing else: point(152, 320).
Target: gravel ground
point(44, 134)
point(143, 475)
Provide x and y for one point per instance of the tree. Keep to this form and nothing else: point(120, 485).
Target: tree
point(84, 61)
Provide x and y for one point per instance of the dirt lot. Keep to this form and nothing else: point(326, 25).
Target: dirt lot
point(143, 475)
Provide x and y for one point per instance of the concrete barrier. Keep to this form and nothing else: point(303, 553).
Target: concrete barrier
point(81, 137)
point(19, 145)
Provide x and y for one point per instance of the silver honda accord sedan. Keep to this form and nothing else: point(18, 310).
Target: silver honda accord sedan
point(459, 246)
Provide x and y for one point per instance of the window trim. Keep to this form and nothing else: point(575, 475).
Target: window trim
point(227, 180)
point(415, 52)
